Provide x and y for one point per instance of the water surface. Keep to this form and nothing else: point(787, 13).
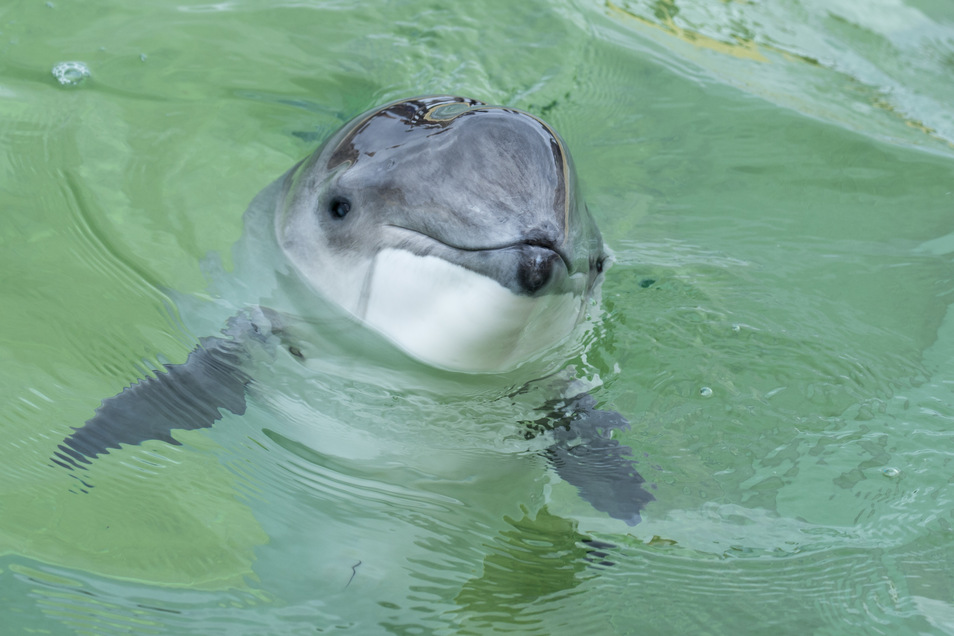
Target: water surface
point(777, 183)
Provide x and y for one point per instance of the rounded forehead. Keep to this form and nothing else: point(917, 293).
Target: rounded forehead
point(407, 123)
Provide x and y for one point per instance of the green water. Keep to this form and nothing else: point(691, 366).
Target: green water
point(777, 183)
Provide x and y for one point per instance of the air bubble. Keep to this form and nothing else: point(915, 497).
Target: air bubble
point(705, 392)
point(890, 472)
point(70, 73)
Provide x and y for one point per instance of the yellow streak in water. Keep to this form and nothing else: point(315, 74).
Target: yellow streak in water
point(749, 50)
point(744, 49)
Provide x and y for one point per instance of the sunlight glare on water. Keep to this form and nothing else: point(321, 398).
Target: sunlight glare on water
point(775, 181)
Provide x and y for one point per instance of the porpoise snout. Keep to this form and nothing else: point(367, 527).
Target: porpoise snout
point(536, 267)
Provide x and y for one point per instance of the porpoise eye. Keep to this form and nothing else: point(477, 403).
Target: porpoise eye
point(599, 264)
point(340, 207)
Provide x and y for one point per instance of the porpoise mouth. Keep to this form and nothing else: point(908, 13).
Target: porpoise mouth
point(531, 263)
point(540, 241)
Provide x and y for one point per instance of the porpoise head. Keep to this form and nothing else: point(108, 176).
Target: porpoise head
point(453, 228)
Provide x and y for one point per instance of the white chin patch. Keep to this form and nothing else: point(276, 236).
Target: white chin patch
point(450, 317)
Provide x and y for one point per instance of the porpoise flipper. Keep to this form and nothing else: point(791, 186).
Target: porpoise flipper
point(585, 455)
point(186, 396)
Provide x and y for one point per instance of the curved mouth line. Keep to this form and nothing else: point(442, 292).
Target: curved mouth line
point(530, 242)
